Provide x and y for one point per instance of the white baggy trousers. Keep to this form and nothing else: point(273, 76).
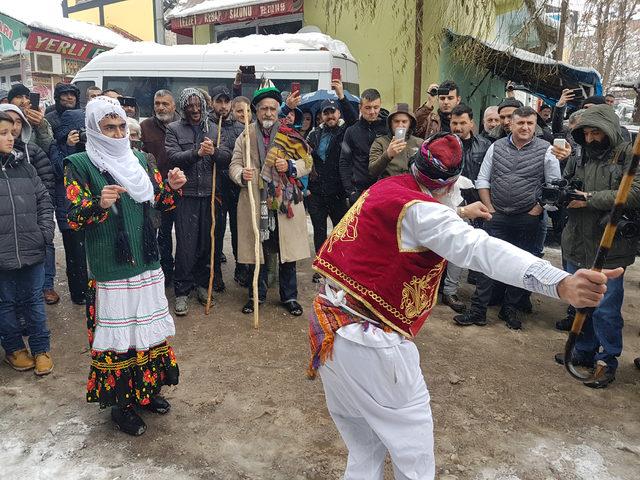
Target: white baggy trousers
point(379, 402)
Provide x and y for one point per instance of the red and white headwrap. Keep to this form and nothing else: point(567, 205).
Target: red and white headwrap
point(438, 163)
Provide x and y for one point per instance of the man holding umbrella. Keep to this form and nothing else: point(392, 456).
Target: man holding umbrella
point(327, 195)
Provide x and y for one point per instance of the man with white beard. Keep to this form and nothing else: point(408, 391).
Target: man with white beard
point(153, 133)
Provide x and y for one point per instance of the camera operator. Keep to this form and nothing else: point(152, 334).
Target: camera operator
point(446, 96)
point(604, 158)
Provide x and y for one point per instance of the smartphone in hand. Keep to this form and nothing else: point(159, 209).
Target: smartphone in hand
point(34, 97)
point(295, 88)
point(400, 133)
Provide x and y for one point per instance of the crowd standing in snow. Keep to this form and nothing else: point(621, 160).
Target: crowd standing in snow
point(118, 188)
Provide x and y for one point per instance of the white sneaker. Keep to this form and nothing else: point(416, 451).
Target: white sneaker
point(181, 307)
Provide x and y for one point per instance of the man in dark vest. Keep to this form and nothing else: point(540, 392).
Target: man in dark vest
point(509, 184)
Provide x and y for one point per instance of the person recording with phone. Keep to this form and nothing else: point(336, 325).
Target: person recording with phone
point(390, 153)
point(29, 103)
point(446, 96)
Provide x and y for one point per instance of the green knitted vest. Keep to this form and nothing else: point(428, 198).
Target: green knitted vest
point(101, 237)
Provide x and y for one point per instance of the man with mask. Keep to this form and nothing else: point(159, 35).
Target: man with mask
point(153, 141)
point(67, 141)
point(114, 192)
point(356, 145)
point(190, 146)
point(229, 192)
point(447, 95)
point(383, 265)
point(41, 133)
point(604, 159)
point(279, 158)
point(38, 158)
point(327, 197)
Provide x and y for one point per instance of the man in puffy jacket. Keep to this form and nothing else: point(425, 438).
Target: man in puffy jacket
point(190, 147)
point(66, 133)
point(605, 156)
point(38, 158)
point(26, 225)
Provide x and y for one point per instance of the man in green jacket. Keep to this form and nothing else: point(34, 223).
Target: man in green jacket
point(604, 159)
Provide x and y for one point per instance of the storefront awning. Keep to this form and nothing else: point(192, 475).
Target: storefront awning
point(190, 13)
point(541, 76)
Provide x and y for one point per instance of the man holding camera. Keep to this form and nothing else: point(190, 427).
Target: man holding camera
point(447, 95)
point(41, 133)
point(604, 159)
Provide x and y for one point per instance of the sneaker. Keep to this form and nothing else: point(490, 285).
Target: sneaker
point(51, 297)
point(510, 317)
point(158, 404)
point(44, 364)
point(202, 294)
point(316, 278)
point(218, 284)
point(128, 421)
point(20, 360)
point(604, 381)
point(470, 318)
point(454, 303)
point(181, 307)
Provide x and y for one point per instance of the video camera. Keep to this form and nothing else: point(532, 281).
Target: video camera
point(628, 225)
point(560, 193)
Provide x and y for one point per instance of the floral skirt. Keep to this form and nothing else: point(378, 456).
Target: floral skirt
point(128, 322)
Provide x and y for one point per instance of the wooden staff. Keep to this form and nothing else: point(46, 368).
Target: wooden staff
point(598, 264)
point(254, 221)
point(213, 224)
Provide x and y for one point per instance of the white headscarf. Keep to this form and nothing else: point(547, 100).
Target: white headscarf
point(114, 154)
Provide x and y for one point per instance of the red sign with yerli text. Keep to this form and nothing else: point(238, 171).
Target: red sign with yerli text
point(39, 41)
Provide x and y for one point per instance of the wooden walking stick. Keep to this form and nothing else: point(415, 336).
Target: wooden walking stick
point(598, 264)
point(254, 220)
point(213, 224)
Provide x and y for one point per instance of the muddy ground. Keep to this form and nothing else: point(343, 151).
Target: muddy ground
point(245, 410)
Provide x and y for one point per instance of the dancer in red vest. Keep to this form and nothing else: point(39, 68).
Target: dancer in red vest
point(383, 263)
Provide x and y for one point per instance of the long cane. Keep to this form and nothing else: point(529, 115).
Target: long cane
point(254, 221)
point(598, 264)
point(213, 224)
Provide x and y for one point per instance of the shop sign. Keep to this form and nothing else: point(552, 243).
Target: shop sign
point(40, 41)
point(239, 14)
point(13, 35)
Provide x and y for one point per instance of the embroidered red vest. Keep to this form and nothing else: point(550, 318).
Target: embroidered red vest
point(364, 255)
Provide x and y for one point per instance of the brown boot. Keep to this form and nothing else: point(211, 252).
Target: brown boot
point(44, 364)
point(51, 297)
point(20, 360)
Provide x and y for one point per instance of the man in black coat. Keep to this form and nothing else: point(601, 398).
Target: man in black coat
point(229, 192)
point(327, 193)
point(38, 158)
point(190, 146)
point(356, 145)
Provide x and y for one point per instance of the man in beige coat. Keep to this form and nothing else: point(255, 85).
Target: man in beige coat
point(279, 157)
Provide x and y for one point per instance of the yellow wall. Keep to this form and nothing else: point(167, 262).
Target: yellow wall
point(133, 16)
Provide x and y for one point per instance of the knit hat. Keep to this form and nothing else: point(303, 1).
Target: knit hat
point(438, 163)
point(509, 102)
point(266, 90)
point(220, 91)
point(17, 89)
point(594, 100)
point(328, 104)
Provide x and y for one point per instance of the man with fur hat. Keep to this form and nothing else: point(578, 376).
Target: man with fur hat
point(383, 264)
point(279, 158)
point(390, 153)
point(190, 146)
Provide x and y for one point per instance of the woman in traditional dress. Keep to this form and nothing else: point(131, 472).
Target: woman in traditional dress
point(115, 196)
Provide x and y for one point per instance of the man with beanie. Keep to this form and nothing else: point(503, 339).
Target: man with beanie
point(327, 197)
point(509, 183)
point(153, 141)
point(447, 96)
point(280, 157)
point(41, 133)
point(367, 313)
point(229, 192)
point(505, 111)
point(38, 158)
point(604, 159)
point(390, 153)
point(356, 145)
point(67, 142)
point(190, 146)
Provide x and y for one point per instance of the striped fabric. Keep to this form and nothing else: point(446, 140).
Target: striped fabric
point(542, 277)
point(132, 313)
